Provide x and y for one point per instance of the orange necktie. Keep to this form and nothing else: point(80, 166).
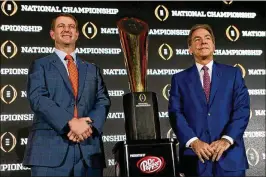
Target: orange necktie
point(73, 77)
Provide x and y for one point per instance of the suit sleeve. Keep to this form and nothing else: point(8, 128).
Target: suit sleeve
point(241, 109)
point(40, 102)
point(177, 119)
point(101, 106)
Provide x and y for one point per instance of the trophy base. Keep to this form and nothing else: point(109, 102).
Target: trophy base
point(141, 116)
point(146, 158)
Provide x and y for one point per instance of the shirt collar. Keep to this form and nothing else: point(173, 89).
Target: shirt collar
point(61, 54)
point(209, 65)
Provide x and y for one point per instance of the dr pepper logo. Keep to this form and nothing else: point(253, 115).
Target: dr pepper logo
point(151, 164)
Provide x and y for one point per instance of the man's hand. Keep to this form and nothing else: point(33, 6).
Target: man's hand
point(219, 147)
point(80, 128)
point(78, 138)
point(73, 137)
point(202, 149)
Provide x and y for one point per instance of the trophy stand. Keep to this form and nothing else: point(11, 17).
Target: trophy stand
point(141, 116)
point(144, 153)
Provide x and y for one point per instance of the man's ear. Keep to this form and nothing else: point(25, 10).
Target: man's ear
point(52, 34)
point(77, 34)
point(190, 50)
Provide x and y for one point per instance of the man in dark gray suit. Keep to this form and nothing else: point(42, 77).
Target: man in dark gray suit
point(70, 103)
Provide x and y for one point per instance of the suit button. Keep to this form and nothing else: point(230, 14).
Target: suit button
point(72, 104)
point(207, 132)
point(209, 114)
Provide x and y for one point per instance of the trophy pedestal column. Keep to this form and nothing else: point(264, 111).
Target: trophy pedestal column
point(141, 116)
point(145, 158)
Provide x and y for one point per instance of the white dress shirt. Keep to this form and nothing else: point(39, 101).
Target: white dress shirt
point(201, 73)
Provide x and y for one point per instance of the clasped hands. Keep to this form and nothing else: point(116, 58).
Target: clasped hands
point(211, 151)
point(80, 130)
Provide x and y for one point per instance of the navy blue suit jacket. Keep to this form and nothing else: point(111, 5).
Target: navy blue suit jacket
point(51, 99)
point(227, 113)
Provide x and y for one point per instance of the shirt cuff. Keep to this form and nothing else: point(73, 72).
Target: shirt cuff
point(190, 141)
point(228, 138)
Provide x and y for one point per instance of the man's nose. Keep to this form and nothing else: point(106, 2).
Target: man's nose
point(204, 41)
point(66, 28)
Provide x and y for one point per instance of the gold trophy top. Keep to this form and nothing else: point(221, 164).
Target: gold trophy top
point(134, 41)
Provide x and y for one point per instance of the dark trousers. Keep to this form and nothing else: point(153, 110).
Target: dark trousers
point(190, 167)
point(73, 165)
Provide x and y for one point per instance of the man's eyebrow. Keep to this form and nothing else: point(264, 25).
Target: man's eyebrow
point(65, 24)
point(196, 37)
point(60, 24)
point(207, 35)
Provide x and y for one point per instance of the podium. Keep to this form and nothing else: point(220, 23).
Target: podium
point(145, 158)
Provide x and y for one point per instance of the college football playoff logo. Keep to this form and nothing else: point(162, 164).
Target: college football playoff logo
point(9, 49)
point(142, 97)
point(166, 91)
point(228, 2)
point(161, 12)
point(253, 156)
point(8, 94)
point(171, 134)
point(242, 69)
point(8, 142)
point(9, 8)
point(250, 114)
point(232, 33)
point(89, 30)
point(165, 51)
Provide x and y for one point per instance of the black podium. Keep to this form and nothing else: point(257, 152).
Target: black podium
point(145, 158)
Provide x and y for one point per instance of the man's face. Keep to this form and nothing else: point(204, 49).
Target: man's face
point(65, 32)
point(202, 46)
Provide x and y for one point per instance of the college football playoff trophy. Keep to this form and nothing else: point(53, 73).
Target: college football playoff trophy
point(144, 153)
point(140, 106)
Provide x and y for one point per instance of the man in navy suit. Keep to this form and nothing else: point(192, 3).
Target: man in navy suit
point(209, 109)
point(70, 103)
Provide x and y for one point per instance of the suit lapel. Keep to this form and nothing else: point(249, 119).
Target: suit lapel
point(62, 70)
point(215, 80)
point(195, 84)
point(82, 69)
